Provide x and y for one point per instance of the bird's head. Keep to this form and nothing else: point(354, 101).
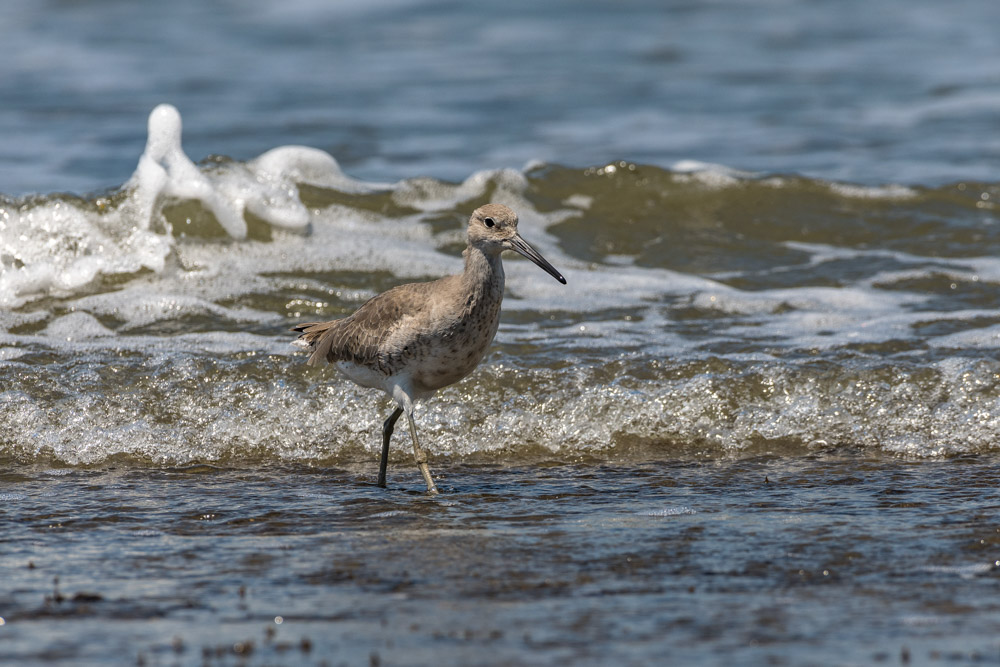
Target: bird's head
point(493, 229)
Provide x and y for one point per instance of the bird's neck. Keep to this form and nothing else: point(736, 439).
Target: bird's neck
point(483, 272)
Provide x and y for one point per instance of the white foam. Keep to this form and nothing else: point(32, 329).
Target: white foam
point(426, 194)
point(302, 164)
point(11, 353)
point(708, 174)
point(964, 571)
point(884, 192)
point(340, 239)
point(214, 342)
point(140, 305)
point(58, 248)
point(579, 201)
point(388, 514)
point(266, 195)
point(266, 186)
point(719, 404)
point(971, 269)
point(680, 510)
point(164, 170)
point(76, 326)
point(722, 176)
point(984, 338)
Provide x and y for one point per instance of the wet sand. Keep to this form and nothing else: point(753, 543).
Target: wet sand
point(828, 559)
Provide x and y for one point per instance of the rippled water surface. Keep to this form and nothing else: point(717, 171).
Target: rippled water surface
point(759, 425)
point(820, 559)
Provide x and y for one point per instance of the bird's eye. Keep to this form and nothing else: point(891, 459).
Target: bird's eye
point(488, 222)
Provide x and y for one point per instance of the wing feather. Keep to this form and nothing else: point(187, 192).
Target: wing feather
point(362, 337)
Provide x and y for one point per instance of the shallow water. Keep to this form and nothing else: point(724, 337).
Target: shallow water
point(760, 425)
point(821, 559)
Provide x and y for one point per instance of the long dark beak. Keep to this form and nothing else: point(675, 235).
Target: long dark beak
point(519, 245)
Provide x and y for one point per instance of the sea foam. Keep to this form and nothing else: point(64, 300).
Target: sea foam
point(59, 245)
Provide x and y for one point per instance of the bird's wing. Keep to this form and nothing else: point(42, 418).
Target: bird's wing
point(362, 337)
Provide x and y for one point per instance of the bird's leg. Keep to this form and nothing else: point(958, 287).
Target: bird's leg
point(386, 434)
point(421, 457)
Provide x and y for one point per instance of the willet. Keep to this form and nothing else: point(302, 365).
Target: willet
point(417, 338)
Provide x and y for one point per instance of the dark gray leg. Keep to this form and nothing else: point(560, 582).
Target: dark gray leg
point(386, 434)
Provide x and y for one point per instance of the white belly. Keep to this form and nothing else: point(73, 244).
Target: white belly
point(364, 376)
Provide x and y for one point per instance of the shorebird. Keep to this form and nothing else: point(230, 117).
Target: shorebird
point(417, 338)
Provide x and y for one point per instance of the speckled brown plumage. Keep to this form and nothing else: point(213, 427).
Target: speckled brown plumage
point(417, 338)
point(416, 325)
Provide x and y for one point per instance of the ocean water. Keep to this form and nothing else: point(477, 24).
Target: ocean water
point(759, 425)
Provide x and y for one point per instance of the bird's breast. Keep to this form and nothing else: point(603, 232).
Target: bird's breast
point(454, 351)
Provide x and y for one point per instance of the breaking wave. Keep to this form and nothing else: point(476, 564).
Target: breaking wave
point(709, 312)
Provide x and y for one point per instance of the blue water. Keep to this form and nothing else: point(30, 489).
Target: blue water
point(873, 92)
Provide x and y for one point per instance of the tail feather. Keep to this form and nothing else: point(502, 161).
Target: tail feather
point(312, 337)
